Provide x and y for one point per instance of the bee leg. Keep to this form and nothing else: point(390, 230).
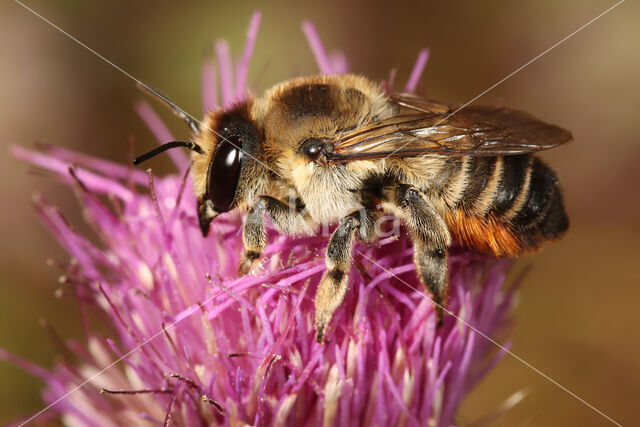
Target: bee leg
point(286, 219)
point(431, 239)
point(333, 286)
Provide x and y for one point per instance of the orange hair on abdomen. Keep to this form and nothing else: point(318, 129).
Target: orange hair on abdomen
point(487, 235)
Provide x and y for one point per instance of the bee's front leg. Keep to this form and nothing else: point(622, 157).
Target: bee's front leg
point(333, 286)
point(431, 238)
point(286, 219)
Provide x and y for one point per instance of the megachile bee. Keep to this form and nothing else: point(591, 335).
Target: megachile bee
point(348, 151)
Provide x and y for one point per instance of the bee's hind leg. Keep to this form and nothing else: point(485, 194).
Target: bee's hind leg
point(286, 219)
point(333, 286)
point(431, 239)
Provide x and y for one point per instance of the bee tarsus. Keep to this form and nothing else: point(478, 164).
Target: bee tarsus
point(333, 285)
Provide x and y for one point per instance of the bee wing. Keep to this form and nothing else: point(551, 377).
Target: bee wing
point(423, 127)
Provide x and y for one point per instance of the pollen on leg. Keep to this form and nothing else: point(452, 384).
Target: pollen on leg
point(329, 297)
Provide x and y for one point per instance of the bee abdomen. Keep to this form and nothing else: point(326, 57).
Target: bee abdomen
point(511, 193)
point(541, 215)
point(511, 204)
point(483, 182)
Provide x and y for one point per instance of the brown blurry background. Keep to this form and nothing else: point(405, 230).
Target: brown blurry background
point(577, 318)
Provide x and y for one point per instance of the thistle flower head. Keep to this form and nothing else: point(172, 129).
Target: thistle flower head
point(192, 343)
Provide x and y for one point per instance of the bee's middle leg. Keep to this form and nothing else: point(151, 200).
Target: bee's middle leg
point(431, 239)
point(286, 219)
point(333, 286)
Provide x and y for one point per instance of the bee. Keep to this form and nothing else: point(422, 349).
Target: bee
point(337, 149)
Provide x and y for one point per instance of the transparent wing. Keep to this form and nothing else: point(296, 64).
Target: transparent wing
point(423, 127)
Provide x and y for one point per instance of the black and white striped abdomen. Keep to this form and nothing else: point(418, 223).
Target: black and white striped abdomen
point(519, 191)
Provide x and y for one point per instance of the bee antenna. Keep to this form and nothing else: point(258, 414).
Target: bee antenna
point(167, 146)
point(191, 122)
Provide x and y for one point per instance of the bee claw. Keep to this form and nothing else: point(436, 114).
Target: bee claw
point(439, 308)
point(439, 320)
point(320, 337)
point(249, 260)
point(243, 269)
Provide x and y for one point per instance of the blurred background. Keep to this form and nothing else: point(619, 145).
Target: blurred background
point(577, 315)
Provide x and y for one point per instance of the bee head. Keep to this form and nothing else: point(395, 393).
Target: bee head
point(223, 140)
point(227, 139)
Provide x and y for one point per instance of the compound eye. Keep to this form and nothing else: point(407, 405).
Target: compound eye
point(224, 173)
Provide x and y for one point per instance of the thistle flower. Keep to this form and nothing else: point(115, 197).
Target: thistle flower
point(199, 345)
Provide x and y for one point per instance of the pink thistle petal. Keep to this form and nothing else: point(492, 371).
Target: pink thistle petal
point(225, 64)
point(93, 181)
point(25, 365)
point(323, 61)
point(387, 85)
point(243, 68)
point(209, 90)
point(416, 73)
point(101, 166)
point(338, 61)
point(455, 386)
point(78, 246)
